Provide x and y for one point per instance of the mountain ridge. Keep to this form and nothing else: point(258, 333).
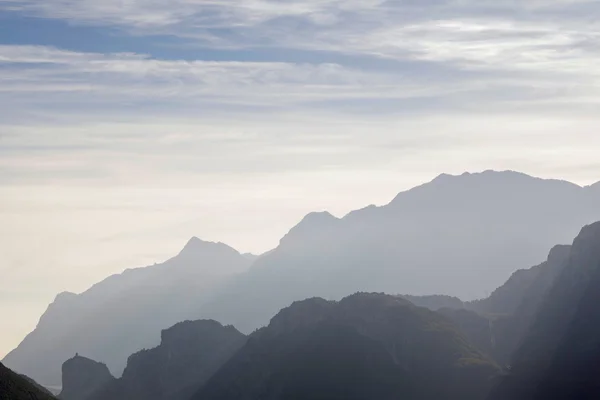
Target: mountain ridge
point(555, 359)
point(435, 238)
point(366, 345)
point(168, 289)
point(440, 241)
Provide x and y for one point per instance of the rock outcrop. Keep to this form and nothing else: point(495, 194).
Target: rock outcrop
point(82, 377)
point(189, 354)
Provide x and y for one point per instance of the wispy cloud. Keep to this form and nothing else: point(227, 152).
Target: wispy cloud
point(550, 36)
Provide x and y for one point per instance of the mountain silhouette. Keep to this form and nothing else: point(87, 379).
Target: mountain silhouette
point(367, 346)
point(558, 358)
point(189, 354)
point(498, 323)
point(457, 235)
point(14, 386)
point(124, 313)
point(81, 377)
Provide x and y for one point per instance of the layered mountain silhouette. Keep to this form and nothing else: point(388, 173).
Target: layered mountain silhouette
point(498, 323)
point(526, 287)
point(189, 354)
point(559, 357)
point(458, 236)
point(367, 346)
point(14, 386)
point(124, 313)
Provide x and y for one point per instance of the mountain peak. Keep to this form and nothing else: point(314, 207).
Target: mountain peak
point(322, 216)
point(196, 247)
point(64, 296)
point(195, 243)
point(312, 226)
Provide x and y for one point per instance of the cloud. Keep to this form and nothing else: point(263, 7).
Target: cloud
point(554, 37)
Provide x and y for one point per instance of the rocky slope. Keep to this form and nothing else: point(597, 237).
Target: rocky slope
point(365, 346)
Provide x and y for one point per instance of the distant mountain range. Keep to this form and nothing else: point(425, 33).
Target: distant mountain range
point(543, 321)
point(459, 236)
point(371, 345)
point(124, 313)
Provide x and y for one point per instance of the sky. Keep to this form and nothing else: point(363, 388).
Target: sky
point(128, 126)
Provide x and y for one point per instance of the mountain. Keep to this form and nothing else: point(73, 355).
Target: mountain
point(82, 377)
point(18, 387)
point(189, 354)
point(558, 358)
point(436, 302)
point(367, 346)
point(525, 287)
point(125, 312)
point(498, 323)
point(457, 235)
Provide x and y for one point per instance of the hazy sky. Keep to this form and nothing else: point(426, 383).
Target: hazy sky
point(127, 126)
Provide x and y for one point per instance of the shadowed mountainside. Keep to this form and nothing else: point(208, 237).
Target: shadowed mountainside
point(365, 346)
point(17, 387)
point(559, 356)
point(189, 354)
point(498, 324)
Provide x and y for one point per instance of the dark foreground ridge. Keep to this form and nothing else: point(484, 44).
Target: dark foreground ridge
point(18, 387)
point(559, 358)
point(189, 354)
point(367, 346)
